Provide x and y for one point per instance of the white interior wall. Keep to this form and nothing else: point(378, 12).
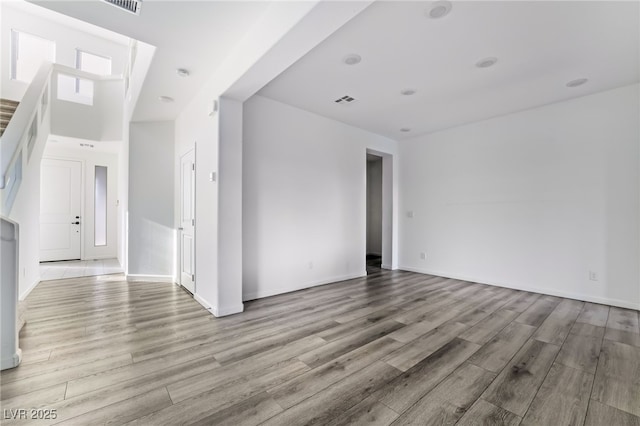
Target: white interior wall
point(195, 129)
point(286, 32)
point(230, 166)
point(101, 121)
point(141, 63)
point(374, 206)
point(90, 159)
point(304, 198)
point(67, 41)
point(26, 212)
point(151, 229)
point(532, 200)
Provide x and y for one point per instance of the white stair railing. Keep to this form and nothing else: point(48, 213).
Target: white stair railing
point(21, 149)
point(18, 140)
point(30, 124)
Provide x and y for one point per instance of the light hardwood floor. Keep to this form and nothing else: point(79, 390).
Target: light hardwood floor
point(393, 348)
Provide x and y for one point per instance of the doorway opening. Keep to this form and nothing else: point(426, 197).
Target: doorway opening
point(78, 209)
point(374, 213)
point(186, 245)
point(381, 226)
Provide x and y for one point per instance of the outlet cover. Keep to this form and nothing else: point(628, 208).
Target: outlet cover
point(593, 276)
point(423, 256)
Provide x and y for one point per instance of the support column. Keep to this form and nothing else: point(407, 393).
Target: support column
point(229, 208)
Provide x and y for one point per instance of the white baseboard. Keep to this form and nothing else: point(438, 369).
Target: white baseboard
point(29, 289)
point(11, 361)
point(542, 290)
point(389, 267)
point(149, 278)
point(227, 310)
point(274, 291)
point(101, 257)
point(205, 304)
point(218, 311)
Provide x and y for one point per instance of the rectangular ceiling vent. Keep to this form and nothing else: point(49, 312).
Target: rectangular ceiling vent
point(132, 6)
point(345, 100)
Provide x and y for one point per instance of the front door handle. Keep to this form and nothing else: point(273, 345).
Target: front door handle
point(75, 223)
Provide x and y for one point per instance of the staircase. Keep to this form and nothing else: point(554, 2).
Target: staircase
point(7, 109)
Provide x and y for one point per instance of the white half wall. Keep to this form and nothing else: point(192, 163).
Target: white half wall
point(533, 200)
point(151, 197)
point(304, 198)
point(101, 121)
point(26, 212)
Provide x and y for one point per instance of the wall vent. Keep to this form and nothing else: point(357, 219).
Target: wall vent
point(346, 99)
point(132, 6)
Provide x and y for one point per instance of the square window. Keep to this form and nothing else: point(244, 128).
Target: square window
point(70, 90)
point(92, 63)
point(28, 52)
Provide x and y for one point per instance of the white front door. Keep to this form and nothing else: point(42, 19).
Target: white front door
point(187, 220)
point(60, 184)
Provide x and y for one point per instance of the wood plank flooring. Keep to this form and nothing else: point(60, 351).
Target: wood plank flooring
point(392, 348)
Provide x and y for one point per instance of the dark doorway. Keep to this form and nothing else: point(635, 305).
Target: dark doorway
point(374, 213)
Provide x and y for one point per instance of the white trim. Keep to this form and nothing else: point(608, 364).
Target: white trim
point(227, 310)
point(205, 304)
point(11, 361)
point(101, 257)
point(218, 312)
point(272, 292)
point(389, 267)
point(150, 278)
point(389, 221)
point(30, 288)
point(542, 290)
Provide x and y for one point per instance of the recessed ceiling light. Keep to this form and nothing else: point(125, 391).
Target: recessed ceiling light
point(166, 99)
point(408, 92)
point(577, 82)
point(352, 59)
point(439, 9)
point(405, 130)
point(486, 62)
point(182, 72)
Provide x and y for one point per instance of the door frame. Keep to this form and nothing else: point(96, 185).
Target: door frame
point(389, 209)
point(82, 196)
point(178, 258)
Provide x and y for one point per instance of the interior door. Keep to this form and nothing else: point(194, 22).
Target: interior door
point(60, 186)
point(187, 220)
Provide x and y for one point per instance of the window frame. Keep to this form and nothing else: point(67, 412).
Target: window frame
point(15, 52)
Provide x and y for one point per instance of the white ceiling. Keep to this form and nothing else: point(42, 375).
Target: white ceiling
point(540, 47)
point(195, 35)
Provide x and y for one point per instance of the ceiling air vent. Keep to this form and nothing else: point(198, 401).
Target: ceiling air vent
point(346, 99)
point(132, 6)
